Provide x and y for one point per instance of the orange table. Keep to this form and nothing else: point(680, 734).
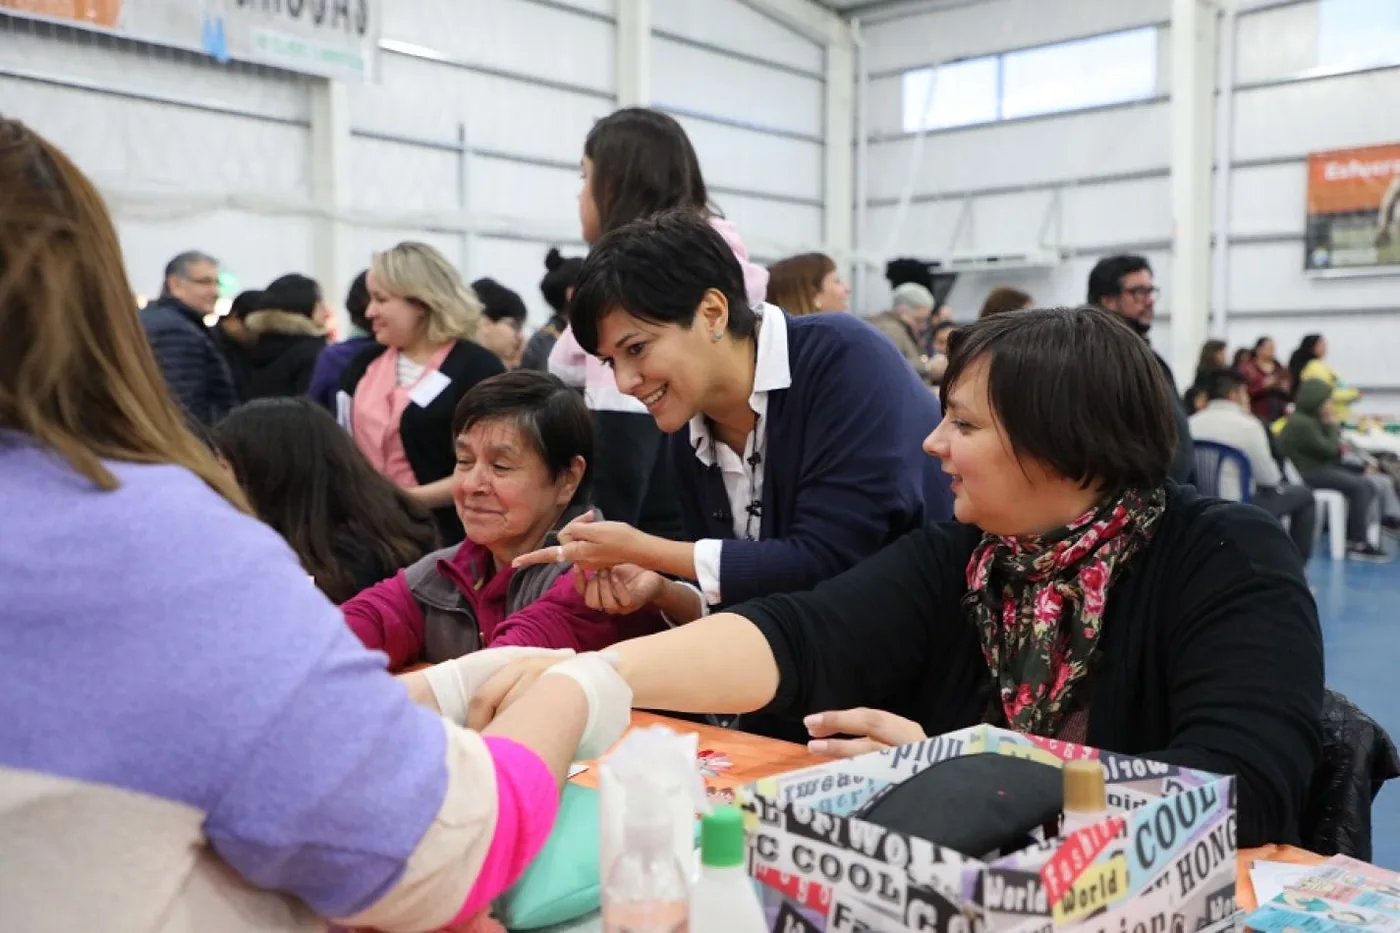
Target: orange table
point(735, 758)
point(1244, 887)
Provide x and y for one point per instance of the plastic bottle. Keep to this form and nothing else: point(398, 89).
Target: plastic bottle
point(1086, 799)
point(647, 890)
point(725, 900)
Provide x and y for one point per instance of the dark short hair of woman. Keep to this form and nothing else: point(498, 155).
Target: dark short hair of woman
point(549, 415)
point(1064, 422)
point(657, 270)
point(305, 478)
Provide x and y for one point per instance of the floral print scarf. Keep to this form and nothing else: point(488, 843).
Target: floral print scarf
point(1038, 603)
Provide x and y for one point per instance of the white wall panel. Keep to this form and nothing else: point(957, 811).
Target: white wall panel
point(257, 248)
point(397, 177)
point(730, 24)
point(519, 265)
point(1269, 277)
point(429, 100)
point(1084, 145)
point(740, 158)
point(1268, 199)
point(773, 229)
point(698, 80)
point(999, 25)
point(546, 199)
point(1091, 217)
point(1277, 43)
point(510, 34)
point(1333, 113)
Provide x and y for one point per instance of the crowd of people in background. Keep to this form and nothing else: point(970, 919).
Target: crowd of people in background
point(773, 513)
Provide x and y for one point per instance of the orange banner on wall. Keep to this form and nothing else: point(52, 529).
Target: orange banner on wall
point(1354, 209)
point(103, 13)
point(1351, 179)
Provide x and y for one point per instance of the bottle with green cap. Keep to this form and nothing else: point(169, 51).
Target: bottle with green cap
point(724, 900)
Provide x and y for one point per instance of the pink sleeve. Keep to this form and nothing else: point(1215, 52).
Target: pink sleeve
point(561, 619)
point(527, 802)
point(387, 618)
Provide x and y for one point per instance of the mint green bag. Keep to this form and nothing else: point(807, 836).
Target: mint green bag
point(562, 883)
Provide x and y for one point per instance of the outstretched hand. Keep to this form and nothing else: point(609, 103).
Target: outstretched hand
point(589, 544)
point(873, 730)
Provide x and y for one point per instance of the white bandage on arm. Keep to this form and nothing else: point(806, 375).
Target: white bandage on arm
point(609, 701)
point(455, 682)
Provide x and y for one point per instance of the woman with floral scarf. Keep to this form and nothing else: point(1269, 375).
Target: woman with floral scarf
point(1084, 596)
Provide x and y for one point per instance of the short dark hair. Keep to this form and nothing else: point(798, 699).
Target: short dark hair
point(561, 272)
point(245, 304)
point(357, 301)
point(553, 418)
point(1222, 383)
point(658, 269)
point(294, 292)
point(1106, 279)
point(499, 303)
point(642, 163)
point(1077, 390)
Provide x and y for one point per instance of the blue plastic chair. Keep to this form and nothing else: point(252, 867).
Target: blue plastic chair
point(1214, 465)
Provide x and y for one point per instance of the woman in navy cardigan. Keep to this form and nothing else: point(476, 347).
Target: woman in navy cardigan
point(795, 442)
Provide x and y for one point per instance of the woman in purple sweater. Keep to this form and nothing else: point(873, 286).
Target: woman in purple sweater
point(204, 746)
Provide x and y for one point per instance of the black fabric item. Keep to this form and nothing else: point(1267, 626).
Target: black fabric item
point(1210, 656)
point(427, 431)
point(975, 804)
point(1183, 468)
point(195, 370)
point(632, 477)
point(1358, 757)
point(281, 365)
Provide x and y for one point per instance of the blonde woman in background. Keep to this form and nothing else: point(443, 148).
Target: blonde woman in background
point(397, 396)
point(807, 284)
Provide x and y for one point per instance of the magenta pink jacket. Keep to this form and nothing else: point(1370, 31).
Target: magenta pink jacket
point(387, 618)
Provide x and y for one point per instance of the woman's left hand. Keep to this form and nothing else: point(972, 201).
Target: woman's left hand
point(873, 729)
point(589, 545)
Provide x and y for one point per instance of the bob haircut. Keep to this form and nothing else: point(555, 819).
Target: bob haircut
point(657, 270)
point(1077, 390)
point(793, 283)
point(419, 273)
point(643, 163)
point(551, 416)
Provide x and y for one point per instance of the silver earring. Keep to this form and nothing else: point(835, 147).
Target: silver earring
point(717, 336)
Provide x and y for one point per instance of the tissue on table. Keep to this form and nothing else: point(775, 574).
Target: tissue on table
point(647, 764)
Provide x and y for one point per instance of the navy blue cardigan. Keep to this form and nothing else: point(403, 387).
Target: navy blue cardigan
point(844, 473)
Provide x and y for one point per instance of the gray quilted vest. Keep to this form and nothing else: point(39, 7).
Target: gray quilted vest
point(450, 628)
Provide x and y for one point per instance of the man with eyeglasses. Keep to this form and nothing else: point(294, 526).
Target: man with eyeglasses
point(1123, 284)
point(193, 366)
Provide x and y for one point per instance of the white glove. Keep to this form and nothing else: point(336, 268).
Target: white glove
point(609, 701)
point(455, 682)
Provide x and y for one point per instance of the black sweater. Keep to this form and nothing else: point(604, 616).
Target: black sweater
point(1211, 653)
point(427, 430)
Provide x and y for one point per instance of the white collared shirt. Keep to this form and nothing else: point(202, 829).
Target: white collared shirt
point(743, 481)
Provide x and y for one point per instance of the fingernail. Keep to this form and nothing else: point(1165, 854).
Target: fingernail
point(818, 746)
point(813, 721)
